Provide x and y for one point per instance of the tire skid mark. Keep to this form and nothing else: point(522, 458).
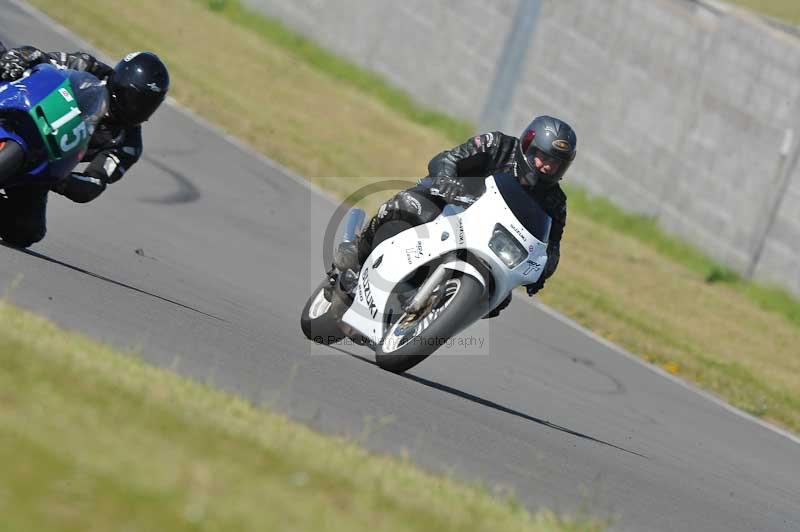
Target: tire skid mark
point(187, 192)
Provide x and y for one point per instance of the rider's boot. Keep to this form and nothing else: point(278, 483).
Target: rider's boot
point(346, 257)
point(347, 262)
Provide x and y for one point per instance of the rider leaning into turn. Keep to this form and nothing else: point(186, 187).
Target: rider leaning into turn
point(539, 159)
point(137, 85)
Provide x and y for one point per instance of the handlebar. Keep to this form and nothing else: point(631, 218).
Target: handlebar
point(463, 199)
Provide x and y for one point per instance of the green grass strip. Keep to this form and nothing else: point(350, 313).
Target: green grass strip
point(340, 69)
point(786, 10)
point(646, 230)
point(93, 439)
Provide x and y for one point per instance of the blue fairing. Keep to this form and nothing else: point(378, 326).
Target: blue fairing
point(17, 98)
point(6, 134)
point(28, 91)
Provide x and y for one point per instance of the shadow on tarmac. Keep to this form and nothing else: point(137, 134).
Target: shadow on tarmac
point(111, 281)
point(491, 404)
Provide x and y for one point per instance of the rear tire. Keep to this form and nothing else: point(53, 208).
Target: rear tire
point(398, 352)
point(12, 157)
point(316, 321)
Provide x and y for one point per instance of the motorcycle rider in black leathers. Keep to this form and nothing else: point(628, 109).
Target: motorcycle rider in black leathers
point(137, 85)
point(538, 158)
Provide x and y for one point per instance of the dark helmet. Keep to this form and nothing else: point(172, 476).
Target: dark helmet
point(137, 86)
point(551, 140)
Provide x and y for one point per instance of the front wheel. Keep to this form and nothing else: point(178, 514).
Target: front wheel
point(316, 321)
point(411, 339)
point(12, 156)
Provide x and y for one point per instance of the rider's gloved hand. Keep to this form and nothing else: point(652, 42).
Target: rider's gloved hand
point(449, 187)
point(14, 62)
point(533, 288)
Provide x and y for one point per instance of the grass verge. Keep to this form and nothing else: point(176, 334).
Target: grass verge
point(645, 230)
point(619, 275)
point(91, 439)
point(787, 10)
point(339, 69)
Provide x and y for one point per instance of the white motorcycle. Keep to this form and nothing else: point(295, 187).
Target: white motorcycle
point(422, 286)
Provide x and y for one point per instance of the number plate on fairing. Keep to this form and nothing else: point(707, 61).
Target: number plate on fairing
point(60, 123)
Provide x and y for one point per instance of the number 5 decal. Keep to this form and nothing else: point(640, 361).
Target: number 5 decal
point(80, 134)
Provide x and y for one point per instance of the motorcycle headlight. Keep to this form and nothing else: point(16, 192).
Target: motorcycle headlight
point(506, 247)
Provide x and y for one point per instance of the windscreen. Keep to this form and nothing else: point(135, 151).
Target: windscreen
point(91, 95)
point(524, 207)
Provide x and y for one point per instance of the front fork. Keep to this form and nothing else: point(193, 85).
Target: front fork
point(423, 295)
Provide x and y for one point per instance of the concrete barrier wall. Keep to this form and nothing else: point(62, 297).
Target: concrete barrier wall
point(685, 111)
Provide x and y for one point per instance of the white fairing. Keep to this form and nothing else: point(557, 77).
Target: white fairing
point(456, 228)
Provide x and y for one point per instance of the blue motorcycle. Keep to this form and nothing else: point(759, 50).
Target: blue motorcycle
point(46, 120)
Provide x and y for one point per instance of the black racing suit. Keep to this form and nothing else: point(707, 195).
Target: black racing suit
point(470, 163)
point(112, 150)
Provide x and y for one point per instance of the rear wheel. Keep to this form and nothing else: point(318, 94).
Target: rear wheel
point(12, 156)
point(316, 321)
point(413, 338)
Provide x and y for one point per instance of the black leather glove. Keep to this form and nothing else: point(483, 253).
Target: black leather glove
point(533, 288)
point(16, 61)
point(449, 187)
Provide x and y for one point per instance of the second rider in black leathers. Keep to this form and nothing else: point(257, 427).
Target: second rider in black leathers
point(538, 158)
point(137, 85)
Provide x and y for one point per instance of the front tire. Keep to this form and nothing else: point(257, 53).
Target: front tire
point(12, 157)
point(410, 340)
point(316, 321)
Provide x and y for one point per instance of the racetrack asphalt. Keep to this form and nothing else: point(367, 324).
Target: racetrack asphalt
point(202, 258)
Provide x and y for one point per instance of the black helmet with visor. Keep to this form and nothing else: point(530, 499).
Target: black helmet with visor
point(553, 143)
point(138, 85)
